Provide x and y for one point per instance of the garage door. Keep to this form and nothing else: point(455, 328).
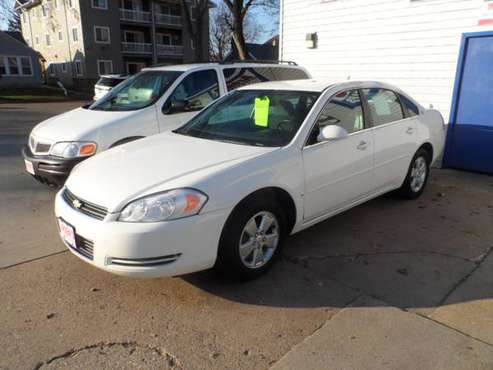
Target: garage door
point(470, 136)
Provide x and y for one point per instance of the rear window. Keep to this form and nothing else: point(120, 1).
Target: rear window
point(410, 108)
point(238, 77)
point(109, 82)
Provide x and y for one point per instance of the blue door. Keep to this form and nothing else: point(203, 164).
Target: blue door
point(470, 136)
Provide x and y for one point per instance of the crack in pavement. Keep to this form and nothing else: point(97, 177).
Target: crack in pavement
point(355, 256)
point(467, 276)
point(172, 361)
point(34, 259)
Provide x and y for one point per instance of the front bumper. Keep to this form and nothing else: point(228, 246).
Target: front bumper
point(157, 249)
point(49, 169)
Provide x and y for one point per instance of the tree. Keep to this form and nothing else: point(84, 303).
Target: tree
point(194, 25)
point(239, 10)
point(9, 16)
point(221, 32)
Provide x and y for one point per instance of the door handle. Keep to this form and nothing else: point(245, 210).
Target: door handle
point(410, 130)
point(362, 145)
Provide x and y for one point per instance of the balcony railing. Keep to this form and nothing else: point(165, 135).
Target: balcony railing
point(169, 49)
point(134, 15)
point(174, 20)
point(136, 47)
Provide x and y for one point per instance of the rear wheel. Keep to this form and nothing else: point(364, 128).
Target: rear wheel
point(251, 239)
point(417, 175)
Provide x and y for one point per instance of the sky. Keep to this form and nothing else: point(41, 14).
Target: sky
point(261, 15)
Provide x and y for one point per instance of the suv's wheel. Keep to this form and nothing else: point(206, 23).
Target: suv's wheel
point(251, 239)
point(417, 175)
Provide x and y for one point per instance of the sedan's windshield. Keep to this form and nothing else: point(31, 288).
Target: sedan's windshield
point(137, 92)
point(253, 117)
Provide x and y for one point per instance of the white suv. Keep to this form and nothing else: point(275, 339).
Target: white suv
point(263, 162)
point(152, 101)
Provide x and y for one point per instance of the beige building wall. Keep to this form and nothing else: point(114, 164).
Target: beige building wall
point(54, 30)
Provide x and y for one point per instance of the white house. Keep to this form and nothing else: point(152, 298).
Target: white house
point(438, 51)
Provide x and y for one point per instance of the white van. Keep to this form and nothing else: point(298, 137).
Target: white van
point(106, 83)
point(155, 100)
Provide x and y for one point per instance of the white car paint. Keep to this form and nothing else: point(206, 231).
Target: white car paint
point(322, 179)
point(108, 128)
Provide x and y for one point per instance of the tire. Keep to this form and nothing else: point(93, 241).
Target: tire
point(241, 266)
point(417, 175)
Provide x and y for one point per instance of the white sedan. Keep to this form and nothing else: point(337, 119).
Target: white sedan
point(228, 187)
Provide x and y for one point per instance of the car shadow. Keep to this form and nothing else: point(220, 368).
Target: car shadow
point(412, 254)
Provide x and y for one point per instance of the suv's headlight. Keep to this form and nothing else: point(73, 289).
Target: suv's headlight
point(73, 149)
point(169, 205)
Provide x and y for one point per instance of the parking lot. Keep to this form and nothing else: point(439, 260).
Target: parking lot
point(391, 284)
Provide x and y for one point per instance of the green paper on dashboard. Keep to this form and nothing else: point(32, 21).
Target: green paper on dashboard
point(262, 105)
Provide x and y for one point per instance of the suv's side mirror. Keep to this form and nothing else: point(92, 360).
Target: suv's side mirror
point(175, 106)
point(332, 132)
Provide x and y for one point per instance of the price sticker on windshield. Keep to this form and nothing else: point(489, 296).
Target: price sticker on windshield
point(262, 105)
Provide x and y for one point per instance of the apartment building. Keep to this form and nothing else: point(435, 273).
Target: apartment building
point(79, 40)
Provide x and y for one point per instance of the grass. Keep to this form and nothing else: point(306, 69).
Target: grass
point(40, 94)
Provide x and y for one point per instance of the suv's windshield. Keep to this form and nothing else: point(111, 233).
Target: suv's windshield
point(253, 117)
point(137, 92)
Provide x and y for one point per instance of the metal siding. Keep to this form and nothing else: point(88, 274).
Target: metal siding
point(412, 44)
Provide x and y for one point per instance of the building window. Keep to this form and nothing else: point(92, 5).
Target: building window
point(164, 38)
point(48, 40)
point(44, 11)
point(27, 68)
point(105, 67)
point(75, 34)
point(102, 35)
point(56, 4)
point(36, 40)
point(71, 3)
point(78, 67)
point(3, 66)
point(192, 44)
point(100, 4)
point(60, 36)
point(15, 66)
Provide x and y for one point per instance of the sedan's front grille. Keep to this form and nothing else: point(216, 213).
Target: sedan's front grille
point(83, 206)
point(84, 247)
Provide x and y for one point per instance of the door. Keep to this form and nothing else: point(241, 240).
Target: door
point(193, 93)
point(394, 135)
point(339, 172)
point(470, 136)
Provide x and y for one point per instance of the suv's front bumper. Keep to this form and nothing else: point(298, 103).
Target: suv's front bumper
point(48, 169)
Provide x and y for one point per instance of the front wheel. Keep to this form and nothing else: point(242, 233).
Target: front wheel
point(251, 240)
point(417, 175)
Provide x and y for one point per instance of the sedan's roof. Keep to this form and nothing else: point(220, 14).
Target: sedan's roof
point(316, 85)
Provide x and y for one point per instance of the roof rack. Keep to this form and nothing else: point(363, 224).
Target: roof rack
point(260, 61)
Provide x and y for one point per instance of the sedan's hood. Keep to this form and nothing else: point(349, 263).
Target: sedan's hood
point(75, 124)
point(156, 163)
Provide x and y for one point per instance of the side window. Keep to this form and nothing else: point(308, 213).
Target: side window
point(238, 77)
point(197, 90)
point(344, 110)
point(411, 108)
point(384, 106)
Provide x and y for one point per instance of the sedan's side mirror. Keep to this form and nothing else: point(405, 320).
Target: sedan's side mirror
point(332, 132)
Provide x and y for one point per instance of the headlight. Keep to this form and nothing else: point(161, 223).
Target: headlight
point(73, 149)
point(166, 206)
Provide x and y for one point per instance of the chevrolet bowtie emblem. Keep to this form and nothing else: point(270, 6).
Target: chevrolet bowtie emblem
point(76, 203)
